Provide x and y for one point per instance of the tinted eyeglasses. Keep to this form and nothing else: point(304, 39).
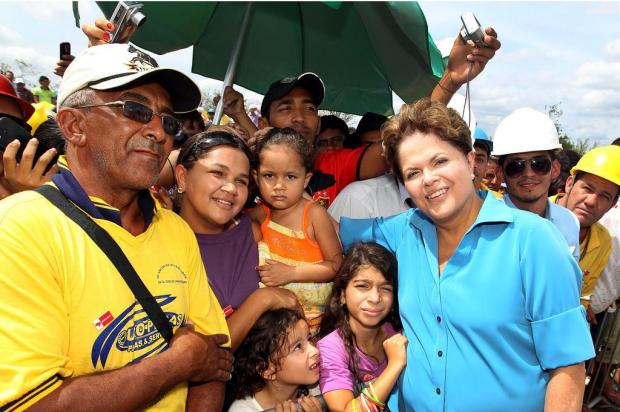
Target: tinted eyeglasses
point(141, 113)
point(540, 165)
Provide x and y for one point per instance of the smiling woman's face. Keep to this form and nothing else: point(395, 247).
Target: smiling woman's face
point(216, 188)
point(436, 174)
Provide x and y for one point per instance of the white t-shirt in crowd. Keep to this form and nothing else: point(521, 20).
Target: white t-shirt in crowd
point(607, 288)
point(248, 404)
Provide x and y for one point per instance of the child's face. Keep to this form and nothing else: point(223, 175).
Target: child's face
point(281, 177)
point(300, 363)
point(369, 298)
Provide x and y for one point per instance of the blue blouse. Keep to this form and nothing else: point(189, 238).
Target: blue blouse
point(505, 310)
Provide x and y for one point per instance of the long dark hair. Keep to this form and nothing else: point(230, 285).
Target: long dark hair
point(262, 347)
point(336, 314)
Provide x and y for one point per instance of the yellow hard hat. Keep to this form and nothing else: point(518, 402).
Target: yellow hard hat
point(601, 161)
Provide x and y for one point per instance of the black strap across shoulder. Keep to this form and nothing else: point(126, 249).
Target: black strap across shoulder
point(111, 249)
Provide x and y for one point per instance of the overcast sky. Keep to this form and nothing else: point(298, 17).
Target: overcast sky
point(552, 52)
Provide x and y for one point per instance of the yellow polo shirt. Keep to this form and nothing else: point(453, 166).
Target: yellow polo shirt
point(493, 192)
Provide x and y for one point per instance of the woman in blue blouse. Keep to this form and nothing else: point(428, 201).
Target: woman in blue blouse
point(489, 295)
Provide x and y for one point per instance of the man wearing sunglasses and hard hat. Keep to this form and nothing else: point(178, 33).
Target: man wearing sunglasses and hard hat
point(591, 190)
point(74, 336)
point(525, 142)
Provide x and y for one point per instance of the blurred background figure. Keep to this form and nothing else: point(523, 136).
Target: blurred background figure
point(483, 146)
point(10, 76)
point(254, 114)
point(568, 159)
point(368, 130)
point(491, 179)
point(191, 123)
point(44, 93)
point(333, 134)
point(23, 92)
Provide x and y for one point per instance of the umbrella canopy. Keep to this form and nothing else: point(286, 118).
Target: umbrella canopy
point(361, 50)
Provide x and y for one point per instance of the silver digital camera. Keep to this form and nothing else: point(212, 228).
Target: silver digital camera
point(471, 30)
point(127, 18)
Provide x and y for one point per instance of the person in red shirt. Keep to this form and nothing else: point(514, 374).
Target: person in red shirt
point(294, 102)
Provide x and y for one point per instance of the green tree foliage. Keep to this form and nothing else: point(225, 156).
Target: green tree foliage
point(579, 145)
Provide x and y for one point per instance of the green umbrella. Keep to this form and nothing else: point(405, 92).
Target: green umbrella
point(361, 50)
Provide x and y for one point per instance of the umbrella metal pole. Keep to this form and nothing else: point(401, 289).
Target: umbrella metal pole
point(231, 71)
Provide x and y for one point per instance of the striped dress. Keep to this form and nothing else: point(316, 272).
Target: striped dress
point(294, 248)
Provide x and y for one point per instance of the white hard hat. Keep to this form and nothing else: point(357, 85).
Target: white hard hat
point(525, 130)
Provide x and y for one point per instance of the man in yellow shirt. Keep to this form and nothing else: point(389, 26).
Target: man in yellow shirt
point(591, 190)
point(73, 335)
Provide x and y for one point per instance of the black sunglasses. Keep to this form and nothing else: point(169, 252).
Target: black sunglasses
point(141, 113)
point(540, 165)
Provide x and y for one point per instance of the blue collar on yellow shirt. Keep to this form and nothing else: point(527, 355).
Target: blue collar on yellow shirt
point(492, 211)
point(70, 187)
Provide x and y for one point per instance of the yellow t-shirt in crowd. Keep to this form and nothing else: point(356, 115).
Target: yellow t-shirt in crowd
point(594, 253)
point(493, 192)
point(65, 310)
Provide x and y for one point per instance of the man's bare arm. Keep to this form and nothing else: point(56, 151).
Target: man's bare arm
point(206, 397)
point(465, 61)
point(191, 356)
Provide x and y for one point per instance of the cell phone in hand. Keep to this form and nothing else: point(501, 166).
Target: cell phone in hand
point(127, 17)
point(65, 49)
point(11, 130)
point(471, 30)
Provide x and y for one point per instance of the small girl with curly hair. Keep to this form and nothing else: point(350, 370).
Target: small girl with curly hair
point(274, 364)
point(361, 354)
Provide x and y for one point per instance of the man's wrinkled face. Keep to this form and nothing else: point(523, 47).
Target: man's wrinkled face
point(590, 197)
point(298, 111)
point(130, 154)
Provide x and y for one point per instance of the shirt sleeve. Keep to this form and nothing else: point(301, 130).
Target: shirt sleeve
point(35, 326)
point(552, 283)
point(334, 365)
point(205, 311)
point(349, 204)
point(343, 164)
point(385, 231)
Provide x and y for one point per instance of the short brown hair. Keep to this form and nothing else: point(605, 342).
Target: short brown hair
point(425, 116)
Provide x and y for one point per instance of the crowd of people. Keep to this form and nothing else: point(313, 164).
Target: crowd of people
point(153, 260)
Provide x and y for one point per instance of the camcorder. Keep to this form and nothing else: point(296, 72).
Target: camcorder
point(127, 17)
point(471, 30)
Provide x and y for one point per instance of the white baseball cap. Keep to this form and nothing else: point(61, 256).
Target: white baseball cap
point(110, 66)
